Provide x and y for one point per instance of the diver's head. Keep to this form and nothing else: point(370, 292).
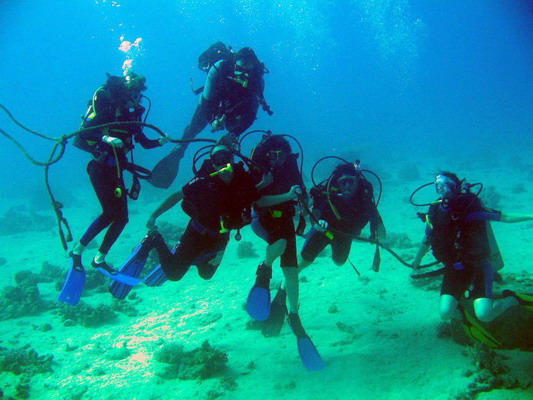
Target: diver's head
point(278, 150)
point(134, 85)
point(220, 156)
point(135, 82)
point(246, 60)
point(347, 178)
point(447, 184)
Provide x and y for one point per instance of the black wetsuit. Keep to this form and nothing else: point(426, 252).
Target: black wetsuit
point(215, 208)
point(354, 214)
point(457, 233)
point(276, 222)
point(224, 95)
point(107, 167)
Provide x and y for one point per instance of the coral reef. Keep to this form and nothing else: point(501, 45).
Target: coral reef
point(24, 360)
point(50, 272)
point(23, 299)
point(489, 373)
point(19, 219)
point(85, 315)
point(246, 250)
point(201, 363)
point(127, 307)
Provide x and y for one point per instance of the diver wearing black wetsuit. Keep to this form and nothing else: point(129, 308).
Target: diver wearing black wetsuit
point(275, 222)
point(349, 209)
point(117, 101)
point(217, 200)
point(231, 97)
point(458, 233)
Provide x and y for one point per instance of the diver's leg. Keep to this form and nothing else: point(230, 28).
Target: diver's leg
point(212, 258)
point(289, 267)
point(448, 307)
point(485, 307)
point(315, 243)
point(340, 249)
point(105, 192)
point(197, 125)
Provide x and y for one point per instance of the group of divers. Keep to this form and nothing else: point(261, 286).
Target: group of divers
point(230, 190)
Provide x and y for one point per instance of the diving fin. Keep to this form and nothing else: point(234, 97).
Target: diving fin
point(115, 275)
point(75, 281)
point(377, 260)
point(258, 301)
point(156, 278)
point(525, 300)
point(309, 355)
point(475, 331)
point(278, 311)
point(132, 267)
point(165, 171)
point(311, 358)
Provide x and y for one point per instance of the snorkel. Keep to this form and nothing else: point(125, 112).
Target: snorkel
point(227, 168)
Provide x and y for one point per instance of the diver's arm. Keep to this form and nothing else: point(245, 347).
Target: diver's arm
point(214, 77)
point(492, 215)
point(271, 200)
point(166, 205)
point(150, 143)
point(422, 250)
point(265, 181)
point(515, 217)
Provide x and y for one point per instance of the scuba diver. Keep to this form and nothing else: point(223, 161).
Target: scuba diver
point(273, 222)
point(230, 100)
point(344, 204)
point(459, 234)
point(217, 200)
point(118, 100)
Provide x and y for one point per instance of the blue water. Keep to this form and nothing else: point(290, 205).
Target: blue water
point(396, 79)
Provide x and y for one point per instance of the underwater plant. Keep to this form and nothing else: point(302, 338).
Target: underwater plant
point(246, 250)
point(86, 315)
point(201, 363)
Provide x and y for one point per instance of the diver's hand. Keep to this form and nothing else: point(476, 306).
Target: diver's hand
point(112, 141)
point(295, 191)
point(164, 140)
point(322, 226)
point(218, 124)
point(267, 179)
point(150, 224)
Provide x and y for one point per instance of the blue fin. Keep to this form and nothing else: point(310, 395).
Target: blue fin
point(156, 278)
point(74, 283)
point(132, 267)
point(258, 303)
point(278, 312)
point(309, 355)
point(115, 275)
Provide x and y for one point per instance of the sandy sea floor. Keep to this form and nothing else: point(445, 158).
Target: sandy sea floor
point(377, 332)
